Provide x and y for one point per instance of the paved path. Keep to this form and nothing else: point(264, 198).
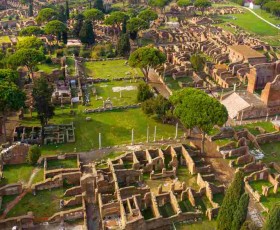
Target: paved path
point(260, 17)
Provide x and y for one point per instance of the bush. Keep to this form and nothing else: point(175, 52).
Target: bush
point(144, 92)
point(59, 53)
point(34, 154)
point(48, 60)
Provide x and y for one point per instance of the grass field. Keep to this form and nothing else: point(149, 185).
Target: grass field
point(110, 69)
point(252, 24)
point(106, 90)
point(271, 152)
point(48, 68)
point(257, 185)
point(204, 225)
point(70, 62)
point(267, 126)
point(16, 173)
point(43, 205)
point(115, 127)
point(57, 164)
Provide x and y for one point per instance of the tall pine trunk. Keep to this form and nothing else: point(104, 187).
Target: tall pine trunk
point(203, 142)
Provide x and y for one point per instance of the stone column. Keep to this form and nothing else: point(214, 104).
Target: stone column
point(132, 137)
point(100, 146)
point(155, 134)
point(148, 134)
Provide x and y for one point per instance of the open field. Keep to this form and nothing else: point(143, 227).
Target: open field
point(204, 225)
point(115, 127)
point(48, 68)
point(67, 163)
point(254, 25)
point(110, 69)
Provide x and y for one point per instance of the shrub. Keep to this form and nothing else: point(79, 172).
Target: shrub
point(144, 92)
point(34, 154)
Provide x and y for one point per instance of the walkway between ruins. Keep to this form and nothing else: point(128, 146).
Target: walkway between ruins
point(260, 17)
point(156, 83)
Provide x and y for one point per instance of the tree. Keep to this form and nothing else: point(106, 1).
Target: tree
point(144, 92)
point(184, 4)
point(148, 15)
point(86, 33)
point(34, 154)
point(202, 5)
point(146, 58)
point(78, 24)
point(273, 220)
point(61, 16)
point(159, 4)
point(46, 15)
point(116, 18)
point(241, 212)
point(67, 12)
point(30, 43)
point(42, 93)
point(93, 15)
point(134, 25)
point(30, 8)
point(11, 99)
point(26, 57)
point(158, 107)
point(195, 108)
point(231, 202)
point(123, 45)
point(31, 30)
point(197, 62)
point(98, 4)
point(9, 75)
point(55, 27)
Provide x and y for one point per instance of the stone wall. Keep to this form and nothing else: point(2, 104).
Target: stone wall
point(11, 189)
point(25, 221)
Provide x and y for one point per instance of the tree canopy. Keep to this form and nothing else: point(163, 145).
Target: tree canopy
point(31, 30)
point(123, 45)
point(42, 93)
point(184, 3)
point(232, 204)
point(9, 75)
point(26, 57)
point(29, 43)
point(195, 108)
point(146, 58)
point(34, 154)
point(134, 25)
point(46, 15)
point(93, 14)
point(55, 27)
point(86, 34)
point(197, 62)
point(202, 5)
point(148, 15)
point(116, 18)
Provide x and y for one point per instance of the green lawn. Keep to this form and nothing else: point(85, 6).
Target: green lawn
point(6, 200)
point(184, 175)
point(186, 206)
point(111, 90)
point(174, 84)
point(252, 24)
point(204, 225)
point(271, 200)
point(48, 68)
point(4, 39)
point(115, 127)
point(267, 126)
point(57, 164)
point(16, 173)
point(257, 185)
point(222, 142)
point(272, 152)
point(110, 69)
point(43, 205)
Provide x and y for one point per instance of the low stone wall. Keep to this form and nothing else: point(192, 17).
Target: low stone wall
point(102, 109)
point(73, 191)
point(25, 221)
point(241, 151)
point(268, 138)
point(73, 214)
point(54, 172)
point(11, 189)
point(76, 200)
point(163, 174)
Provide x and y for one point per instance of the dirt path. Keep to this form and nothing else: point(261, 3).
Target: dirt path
point(34, 173)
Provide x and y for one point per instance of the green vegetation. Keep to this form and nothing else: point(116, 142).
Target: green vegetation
point(115, 127)
point(271, 152)
point(43, 205)
point(204, 225)
point(110, 69)
point(147, 213)
point(251, 23)
point(271, 200)
point(16, 173)
point(70, 62)
point(186, 206)
point(273, 220)
point(67, 163)
point(48, 68)
point(218, 198)
point(184, 175)
point(4, 39)
point(166, 210)
point(267, 126)
point(174, 84)
point(257, 185)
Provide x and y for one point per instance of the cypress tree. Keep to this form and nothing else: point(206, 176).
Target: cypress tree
point(273, 220)
point(86, 33)
point(98, 4)
point(123, 46)
point(30, 9)
point(230, 202)
point(124, 26)
point(78, 25)
point(67, 12)
point(241, 212)
point(64, 37)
